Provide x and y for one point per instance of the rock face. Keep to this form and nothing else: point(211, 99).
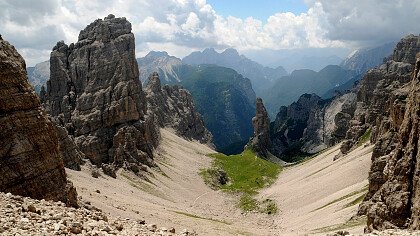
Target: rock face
point(172, 106)
point(94, 92)
point(160, 62)
point(393, 200)
point(381, 97)
point(30, 161)
point(260, 141)
point(310, 125)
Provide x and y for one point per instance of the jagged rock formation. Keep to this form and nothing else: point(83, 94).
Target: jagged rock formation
point(260, 141)
point(381, 96)
point(39, 74)
point(290, 124)
point(30, 162)
point(94, 92)
point(72, 156)
point(172, 106)
point(162, 63)
point(310, 125)
point(393, 200)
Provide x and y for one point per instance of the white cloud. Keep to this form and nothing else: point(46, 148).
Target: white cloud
point(181, 26)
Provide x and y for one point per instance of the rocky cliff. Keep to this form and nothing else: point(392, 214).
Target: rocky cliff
point(94, 92)
point(172, 106)
point(260, 141)
point(310, 125)
point(393, 200)
point(30, 162)
point(381, 97)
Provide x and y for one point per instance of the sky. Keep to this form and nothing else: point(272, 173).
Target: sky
point(183, 26)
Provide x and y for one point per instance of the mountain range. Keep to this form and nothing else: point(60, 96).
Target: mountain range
point(261, 77)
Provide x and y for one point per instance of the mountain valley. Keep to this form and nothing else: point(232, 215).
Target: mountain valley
point(97, 141)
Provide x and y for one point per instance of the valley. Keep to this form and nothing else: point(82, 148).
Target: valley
point(121, 133)
point(310, 196)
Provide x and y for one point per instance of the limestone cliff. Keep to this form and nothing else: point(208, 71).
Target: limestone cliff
point(94, 92)
point(172, 106)
point(30, 162)
point(260, 141)
point(381, 94)
point(393, 200)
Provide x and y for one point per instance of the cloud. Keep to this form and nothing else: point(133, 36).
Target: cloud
point(370, 21)
point(180, 26)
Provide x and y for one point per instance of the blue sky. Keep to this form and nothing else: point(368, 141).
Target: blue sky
point(258, 9)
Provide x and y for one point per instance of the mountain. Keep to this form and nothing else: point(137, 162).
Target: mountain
point(364, 59)
point(261, 77)
point(161, 63)
point(385, 112)
point(225, 99)
point(228, 113)
point(30, 162)
point(103, 108)
point(39, 74)
point(288, 88)
point(173, 106)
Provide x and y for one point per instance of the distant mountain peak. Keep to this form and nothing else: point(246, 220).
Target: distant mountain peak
point(231, 52)
point(260, 76)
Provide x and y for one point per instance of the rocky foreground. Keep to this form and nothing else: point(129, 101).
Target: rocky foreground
point(26, 216)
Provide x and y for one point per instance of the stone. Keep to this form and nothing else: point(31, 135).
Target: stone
point(260, 141)
point(94, 93)
point(173, 107)
point(393, 200)
point(109, 170)
point(30, 161)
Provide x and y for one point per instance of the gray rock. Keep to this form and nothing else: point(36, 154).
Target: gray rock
point(94, 92)
point(260, 141)
point(30, 161)
point(173, 106)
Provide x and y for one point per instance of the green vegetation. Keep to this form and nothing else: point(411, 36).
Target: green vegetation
point(356, 201)
point(345, 197)
point(246, 174)
point(346, 225)
point(201, 218)
point(247, 202)
point(365, 137)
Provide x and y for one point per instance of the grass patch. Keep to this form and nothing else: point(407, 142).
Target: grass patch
point(343, 197)
point(318, 171)
point(356, 201)
point(365, 137)
point(243, 173)
point(247, 172)
point(201, 218)
point(247, 203)
point(346, 225)
point(269, 207)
